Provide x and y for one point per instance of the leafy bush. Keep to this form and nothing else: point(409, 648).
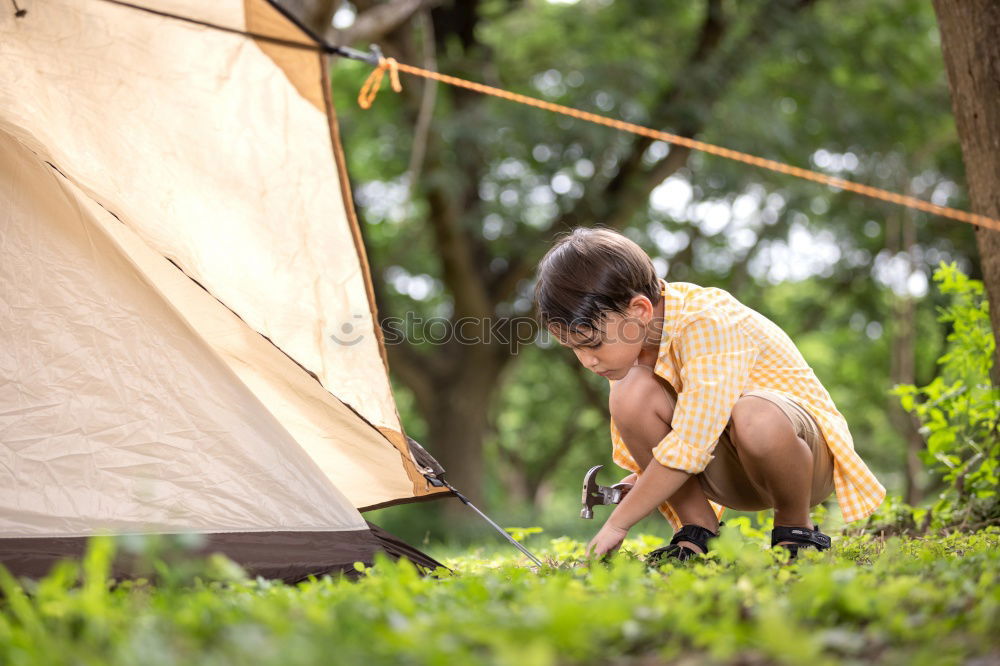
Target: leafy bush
point(959, 411)
point(896, 601)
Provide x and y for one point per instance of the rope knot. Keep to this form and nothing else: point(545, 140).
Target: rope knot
point(374, 81)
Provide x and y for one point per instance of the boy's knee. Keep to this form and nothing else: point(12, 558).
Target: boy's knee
point(633, 396)
point(756, 424)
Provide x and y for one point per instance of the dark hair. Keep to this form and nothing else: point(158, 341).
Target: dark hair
point(589, 273)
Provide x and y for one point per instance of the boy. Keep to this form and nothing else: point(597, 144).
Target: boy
point(711, 403)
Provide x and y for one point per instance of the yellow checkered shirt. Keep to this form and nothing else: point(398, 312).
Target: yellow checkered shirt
point(714, 349)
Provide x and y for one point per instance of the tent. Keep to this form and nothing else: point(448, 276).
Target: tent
point(188, 336)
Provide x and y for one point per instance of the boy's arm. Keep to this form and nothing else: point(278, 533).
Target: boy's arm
point(716, 357)
point(655, 486)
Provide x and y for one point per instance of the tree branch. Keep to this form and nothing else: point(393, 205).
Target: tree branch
point(711, 65)
point(458, 251)
point(428, 97)
point(457, 257)
point(316, 14)
point(710, 34)
point(374, 23)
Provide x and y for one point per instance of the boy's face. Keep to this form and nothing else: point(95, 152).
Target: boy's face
point(611, 348)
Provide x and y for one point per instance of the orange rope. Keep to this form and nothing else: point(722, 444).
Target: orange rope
point(371, 87)
point(374, 81)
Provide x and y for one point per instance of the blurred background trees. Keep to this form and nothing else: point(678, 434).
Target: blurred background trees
point(459, 195)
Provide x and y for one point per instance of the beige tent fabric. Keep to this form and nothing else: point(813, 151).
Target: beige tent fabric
point(303, 68)
point(114, 413)
point(353, 455)
point(206, 153)
point(199, 142)
point(226, 13)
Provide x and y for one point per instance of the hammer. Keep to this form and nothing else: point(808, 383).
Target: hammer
point(594, 494)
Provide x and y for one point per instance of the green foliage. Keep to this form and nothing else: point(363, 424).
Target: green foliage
point(522, 533)
point(896, 601)
point(960, 410)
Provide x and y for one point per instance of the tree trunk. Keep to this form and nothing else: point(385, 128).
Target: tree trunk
point(457, 414)
point(900, 235)
point(970, 42)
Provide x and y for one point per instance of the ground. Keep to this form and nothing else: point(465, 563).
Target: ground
point(931, 600)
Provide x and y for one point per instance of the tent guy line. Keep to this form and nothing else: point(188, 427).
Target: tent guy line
point(319, 46)
point(371, 86)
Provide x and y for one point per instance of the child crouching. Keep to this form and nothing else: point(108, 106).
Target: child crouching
point(712, 405)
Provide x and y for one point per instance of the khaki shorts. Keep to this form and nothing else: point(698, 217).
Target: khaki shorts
point(725, 482)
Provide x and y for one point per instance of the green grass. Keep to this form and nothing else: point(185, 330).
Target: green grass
point(897, 601)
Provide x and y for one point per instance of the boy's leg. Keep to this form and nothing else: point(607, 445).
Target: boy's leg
point(641, 410)
point(692, 508)
point(775, 458)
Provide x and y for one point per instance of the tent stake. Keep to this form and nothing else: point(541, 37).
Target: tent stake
point(502, 531)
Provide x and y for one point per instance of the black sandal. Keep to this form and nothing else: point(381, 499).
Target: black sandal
point(696, 534)
point(801, 537)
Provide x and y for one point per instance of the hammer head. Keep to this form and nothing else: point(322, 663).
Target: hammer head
point(594, 494)
point(591, 492)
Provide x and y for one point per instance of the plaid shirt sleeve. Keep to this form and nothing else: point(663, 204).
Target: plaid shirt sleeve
point(715, 357)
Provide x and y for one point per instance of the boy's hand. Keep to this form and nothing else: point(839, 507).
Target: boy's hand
point(627, 483)
point(607, 541)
